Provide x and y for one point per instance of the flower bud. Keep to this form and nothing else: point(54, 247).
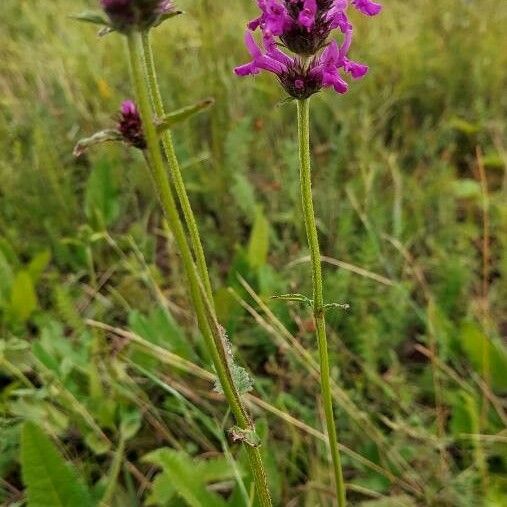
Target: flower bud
point(130, 125)
point(127, 15)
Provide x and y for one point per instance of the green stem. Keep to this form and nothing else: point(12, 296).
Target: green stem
point(209, 328)
point(114, 474)
point(318, 297)
point(174, 167)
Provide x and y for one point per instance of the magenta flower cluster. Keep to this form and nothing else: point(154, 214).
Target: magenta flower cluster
point(303, 27)
point(126, 15)
point(130, 125)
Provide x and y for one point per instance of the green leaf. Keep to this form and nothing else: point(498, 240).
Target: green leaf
point(97, 444)
point(249, 437)
point(102, 200)
point(463, 126)
point(38, 265)
point(258, 245)
point(130, 424)
point(296, 298)
point(240, 376)
point(104, 136)
point(96, 18)
point(465, 414)
point(484, 353)
point(180, 115)
point(160, 328)
point(50, 481)
point(167, 16)
point(181, 475)
point(244, 194)
point(466, 188)
point(23, 297)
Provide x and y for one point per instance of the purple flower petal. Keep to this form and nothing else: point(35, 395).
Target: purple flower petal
point(367, 7)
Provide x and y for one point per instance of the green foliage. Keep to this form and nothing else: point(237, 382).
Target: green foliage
point(489, 357)
point(23, 297)
point(400, 210)
point(258, 244)
point(50, 481)
point(187, 478)
point(101, 199)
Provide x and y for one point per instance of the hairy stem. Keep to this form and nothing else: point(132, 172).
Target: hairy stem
point(202, 305)
point(318, 297)
point(174, 167)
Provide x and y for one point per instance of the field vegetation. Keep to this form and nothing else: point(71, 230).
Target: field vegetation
point(107, 389)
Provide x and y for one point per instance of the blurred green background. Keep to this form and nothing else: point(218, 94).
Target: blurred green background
point(410, 186)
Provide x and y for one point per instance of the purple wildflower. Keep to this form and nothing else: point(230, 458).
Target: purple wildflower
point(141, 14)
point(303, 27)
point(130, 125)
point(302, 79)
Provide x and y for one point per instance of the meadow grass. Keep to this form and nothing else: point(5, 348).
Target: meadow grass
point(97, 343)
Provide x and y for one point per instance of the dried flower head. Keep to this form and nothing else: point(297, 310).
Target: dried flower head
point(126, 15)
point(304, 27)
point(130, 125)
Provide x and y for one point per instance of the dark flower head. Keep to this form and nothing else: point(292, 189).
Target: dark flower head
point(130, 125)
point(304, 27)
point(126, 15)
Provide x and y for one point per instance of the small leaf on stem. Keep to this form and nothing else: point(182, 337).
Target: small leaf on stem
point(96, 18)
point(169, 120)
point(104, 136)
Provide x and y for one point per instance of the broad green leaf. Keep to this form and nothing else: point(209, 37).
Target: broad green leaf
point(244, 194)
point(102, 199)
point(183, 475)
point(50, 481)
point(98, 445)
point(130, 424)
point(258, 245)
point(466, 188)
point(485, 354)
point(465, 418)
point(162, 491)
point(464, 126)
point(23, 297)
point(160, 328)
point(38, 265)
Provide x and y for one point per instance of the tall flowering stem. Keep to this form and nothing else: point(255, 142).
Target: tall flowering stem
point(318, 295)
point(311, 60)
point(174, 167)
point(202, 303)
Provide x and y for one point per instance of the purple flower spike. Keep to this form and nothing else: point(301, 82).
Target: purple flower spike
point(126, 15)
point(303, 27)
point(300, 78)
point(130, 125)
